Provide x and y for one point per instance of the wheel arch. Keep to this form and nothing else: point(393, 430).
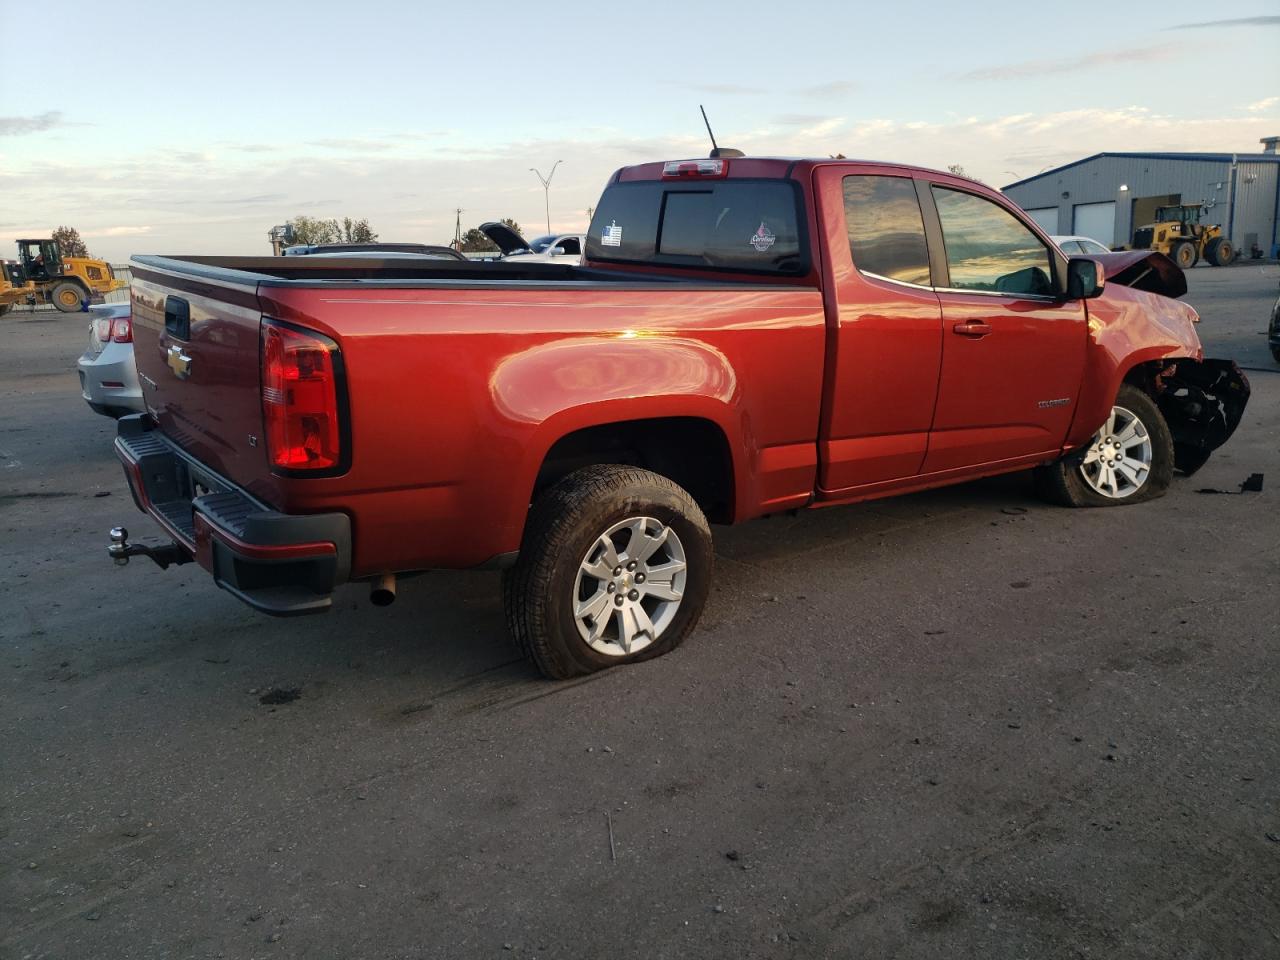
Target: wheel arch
point(690, 440)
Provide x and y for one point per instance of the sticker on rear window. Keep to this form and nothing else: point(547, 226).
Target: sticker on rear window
point(612, 235)
point(763, 238)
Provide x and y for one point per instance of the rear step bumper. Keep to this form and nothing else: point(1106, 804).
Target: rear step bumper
point(282, 564)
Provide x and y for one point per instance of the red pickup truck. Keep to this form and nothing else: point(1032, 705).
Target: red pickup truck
point(744, 336)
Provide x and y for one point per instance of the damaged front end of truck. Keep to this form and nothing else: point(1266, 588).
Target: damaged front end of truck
point(1202, 401)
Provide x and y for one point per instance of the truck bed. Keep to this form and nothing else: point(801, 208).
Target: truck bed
point(389, 271)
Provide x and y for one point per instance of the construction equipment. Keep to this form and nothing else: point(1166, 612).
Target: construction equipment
point(1179, 235)
point(66, 282)
point(14, 286)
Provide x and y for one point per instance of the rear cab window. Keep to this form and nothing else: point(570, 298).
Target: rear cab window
point(886, 228)
point(745, 225)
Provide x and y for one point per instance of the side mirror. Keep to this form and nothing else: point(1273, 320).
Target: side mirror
point(1085, 279)
point(557, 251)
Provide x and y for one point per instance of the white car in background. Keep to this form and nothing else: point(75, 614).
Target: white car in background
point(108, 375)
point(1077, 245)
point(553, 248)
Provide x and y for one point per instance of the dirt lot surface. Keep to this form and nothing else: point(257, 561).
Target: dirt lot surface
point(957, 724)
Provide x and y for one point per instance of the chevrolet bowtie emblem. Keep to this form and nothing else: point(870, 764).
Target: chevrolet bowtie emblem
point(179, 362)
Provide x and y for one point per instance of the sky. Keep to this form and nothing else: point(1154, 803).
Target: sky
point(195, 127)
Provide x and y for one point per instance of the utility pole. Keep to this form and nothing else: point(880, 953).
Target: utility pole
point(546, 188)
point(457, 230)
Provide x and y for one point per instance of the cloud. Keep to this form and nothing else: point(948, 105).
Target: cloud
point(227, 207)
point(19, 126)
point(1105, 58)
point(728, 89)
point(800, 119)
point(1259, 105)
point(357, 144)
point(118, 232)
point(1237, 22)
point(260, 198)
point(832, 89)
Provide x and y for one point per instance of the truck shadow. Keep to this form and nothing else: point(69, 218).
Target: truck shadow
point(442, 648)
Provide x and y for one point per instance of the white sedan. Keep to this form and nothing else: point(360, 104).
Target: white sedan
point(553, 248)
point(1077, 245)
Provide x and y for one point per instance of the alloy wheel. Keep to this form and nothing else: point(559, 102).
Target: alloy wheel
point(629, 586)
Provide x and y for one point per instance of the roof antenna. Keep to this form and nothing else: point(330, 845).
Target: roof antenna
point(717, 151)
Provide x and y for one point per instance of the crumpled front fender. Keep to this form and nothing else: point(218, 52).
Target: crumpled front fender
point(1202, 401)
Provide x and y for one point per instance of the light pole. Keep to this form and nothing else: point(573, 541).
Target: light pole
point(546, 188)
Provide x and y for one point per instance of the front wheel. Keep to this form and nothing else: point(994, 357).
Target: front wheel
point(67, 296)
point(1129, 459)
point(614, 568)
point(1184, 254)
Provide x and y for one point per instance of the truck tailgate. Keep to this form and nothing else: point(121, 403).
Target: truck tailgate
point(196, 344)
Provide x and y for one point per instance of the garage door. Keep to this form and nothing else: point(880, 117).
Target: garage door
point(1046, 218)
point(1097, 221)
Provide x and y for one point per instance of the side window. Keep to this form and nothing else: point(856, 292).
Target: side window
point(886, 231)
point(990, 249)
point(570, 246)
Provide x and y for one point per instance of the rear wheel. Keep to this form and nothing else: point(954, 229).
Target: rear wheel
point(1183, 253)
point(67, 296)
point(1129, 459)
point(1219, 252)
point(5, 308)
point(614, 568)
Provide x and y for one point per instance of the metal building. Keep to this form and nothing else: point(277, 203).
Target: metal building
point(1109, 195)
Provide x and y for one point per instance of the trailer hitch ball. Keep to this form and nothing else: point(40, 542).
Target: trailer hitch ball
point(119, 546)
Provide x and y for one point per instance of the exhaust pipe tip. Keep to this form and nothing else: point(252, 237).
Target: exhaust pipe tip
point(383, 591)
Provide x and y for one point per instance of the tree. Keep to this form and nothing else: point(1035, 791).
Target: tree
point(69, 242)
point(357, 231)
point(473, 241)
point(313, 230)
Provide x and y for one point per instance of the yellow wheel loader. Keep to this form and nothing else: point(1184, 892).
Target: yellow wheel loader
point(14, 286)
point(1179, 235)
point(66, 282)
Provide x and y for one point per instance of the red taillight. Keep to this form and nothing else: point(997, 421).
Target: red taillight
point(679, 169)
point(119, 329)
point(300, 398)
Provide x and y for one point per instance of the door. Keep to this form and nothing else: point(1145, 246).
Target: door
point(885, 346)
point(1013, 350)
point(1095, 220)
point(1046, 219)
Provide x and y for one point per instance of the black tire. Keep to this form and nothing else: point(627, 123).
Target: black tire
point(1275, 353)
point(5, 308)
point(1219, 252)
point(1063, 482)
point(1183, 253)
point(62, 294)
point(539, 591)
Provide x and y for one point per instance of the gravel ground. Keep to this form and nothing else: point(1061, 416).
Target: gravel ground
point(954, 724)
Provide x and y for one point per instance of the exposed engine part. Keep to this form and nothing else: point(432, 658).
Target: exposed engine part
point(1202, 403)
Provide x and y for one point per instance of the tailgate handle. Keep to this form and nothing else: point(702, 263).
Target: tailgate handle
point(177, 318)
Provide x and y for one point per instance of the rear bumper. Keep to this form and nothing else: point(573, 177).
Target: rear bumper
point(109, 380)
point(278, 563)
